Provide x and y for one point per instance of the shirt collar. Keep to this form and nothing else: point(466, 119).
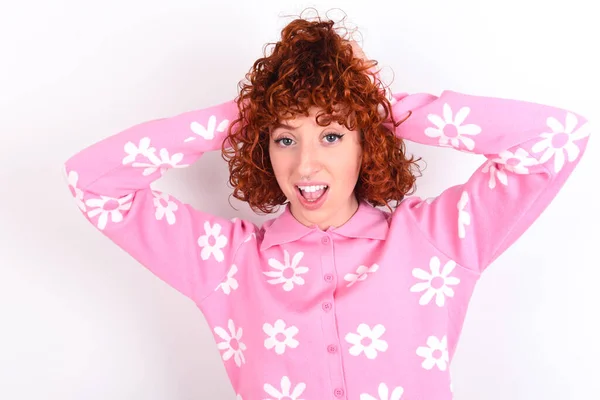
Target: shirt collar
point(367, 222)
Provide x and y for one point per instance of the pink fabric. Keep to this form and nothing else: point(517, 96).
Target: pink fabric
point(370, 310)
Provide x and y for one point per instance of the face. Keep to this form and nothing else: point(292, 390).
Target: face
point(317, 168)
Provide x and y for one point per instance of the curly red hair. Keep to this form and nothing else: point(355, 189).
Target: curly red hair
point(312, 65)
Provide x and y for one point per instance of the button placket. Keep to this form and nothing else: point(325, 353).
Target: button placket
point(331, 337)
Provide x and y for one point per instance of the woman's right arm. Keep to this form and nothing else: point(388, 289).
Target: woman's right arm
point(190, 250)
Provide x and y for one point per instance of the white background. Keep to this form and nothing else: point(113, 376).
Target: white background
point(80, 319)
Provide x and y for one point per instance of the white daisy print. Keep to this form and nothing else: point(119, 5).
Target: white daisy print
point(464, 218)
point(208, 132)
point(435, 353)
point(165, 207)
point(238, 397)
point(162, 163)
point(361, 274)
point(367, 341)
point(232, 343)
point(436, 283)
point(106, 207)
point(143, 149)
point(559, 143)
point(383, 393)
point(288, 272)
point(280, 336)
point(286, 392)
point(212, 242)
point(72, 179)
point(154, 163)
point(518, 162)
point(230, 283)
point(495, 173)
point(450, 129)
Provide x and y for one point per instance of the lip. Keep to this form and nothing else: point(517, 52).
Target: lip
point(312, 205)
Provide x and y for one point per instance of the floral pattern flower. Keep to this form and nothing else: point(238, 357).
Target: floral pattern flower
point(384, 393)
point(154, 163)
point(165, 207)
point(133, 151)
point(435, 353)
point(286, 393)
point(436, 282)
point(360, 274)
point(450, 129)
point(496, 172)
point(232, 343)
point(367, 341)
point(230, 283)
point(518, 162)
point(106, 207)
point(559, 143)
point(72, 179)
point(212, 242)
point(280, 337)
point(208, 132)
point(287, 272)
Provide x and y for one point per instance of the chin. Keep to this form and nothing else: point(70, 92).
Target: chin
point(321, 216)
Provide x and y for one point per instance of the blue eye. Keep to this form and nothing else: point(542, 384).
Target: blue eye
point(333, 137)
point(285, 142)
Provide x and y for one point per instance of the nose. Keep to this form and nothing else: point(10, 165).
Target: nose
point(309, 162)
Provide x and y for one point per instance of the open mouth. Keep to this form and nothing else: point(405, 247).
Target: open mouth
point(312, 193)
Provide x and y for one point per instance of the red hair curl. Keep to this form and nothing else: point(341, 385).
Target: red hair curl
point(312, 65)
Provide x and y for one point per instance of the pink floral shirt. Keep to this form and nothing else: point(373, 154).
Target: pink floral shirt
point(370, 310)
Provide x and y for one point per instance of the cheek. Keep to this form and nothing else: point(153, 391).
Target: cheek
point(357, 160)
point(280, 165)
point(273, 156)
point(356, 169)
point(346, 168)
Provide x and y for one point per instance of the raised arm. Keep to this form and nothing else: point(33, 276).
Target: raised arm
point(530, 148)
point(111, 182)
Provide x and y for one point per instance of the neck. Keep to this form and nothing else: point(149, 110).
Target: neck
point(335, 220)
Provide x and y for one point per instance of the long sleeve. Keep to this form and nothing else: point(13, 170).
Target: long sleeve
point(111, 183)
point(530, 148)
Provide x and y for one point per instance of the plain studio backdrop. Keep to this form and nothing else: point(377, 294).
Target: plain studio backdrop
point(80, 319)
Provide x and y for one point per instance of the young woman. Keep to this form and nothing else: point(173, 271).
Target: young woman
point(335, 298)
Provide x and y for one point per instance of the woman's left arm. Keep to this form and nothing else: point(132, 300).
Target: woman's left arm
point(530, 148)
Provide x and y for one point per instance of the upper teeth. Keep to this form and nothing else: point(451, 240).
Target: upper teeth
point(312, 188)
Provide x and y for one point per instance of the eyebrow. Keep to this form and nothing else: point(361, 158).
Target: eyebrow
point(285, 126)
